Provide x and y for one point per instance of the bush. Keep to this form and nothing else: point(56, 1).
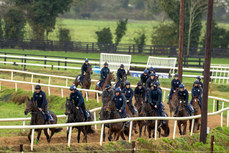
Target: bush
point(14, 24)
point(120, 30)
point(104, 39)
point(140, 41)
point(64, 35)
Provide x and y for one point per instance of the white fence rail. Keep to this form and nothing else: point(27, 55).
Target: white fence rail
point(33, 127)
point(222, 71)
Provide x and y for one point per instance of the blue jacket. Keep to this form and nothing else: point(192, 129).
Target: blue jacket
point(200, 84)
point(141, 91)
point(175, 84)
point(155, 96)
point(40, 98)
point(77, 98)
point(144, 78)
point(128, 93)
point(120, 101)
point(120, 74)
point(183, 95)
point(150, 82)
point(104, 72)
point(84, 68)
point(196, 92)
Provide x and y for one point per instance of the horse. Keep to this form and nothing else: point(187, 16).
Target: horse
point(148, 110)
point(173, 102)
point(182, 112)
point(110, 77)
point(87, 79)
point(76, 115)
point(39, 119)
point(197, 111)
point(116, 128)
point(123, 80)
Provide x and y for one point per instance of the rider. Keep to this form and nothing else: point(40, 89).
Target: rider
point(120, 73)
point(77, 97)
point(174, 85)
point(155, 97)
point(103, 74)
point(40, 97)
point(128, 92)
point(150, 81)
point(196, 92)
point(198, 78)
point(140, 90)
point(120, 102)
point(151, 70)
point(84, 69)
point(183, 94)
point(144, 77)
point(107, 92)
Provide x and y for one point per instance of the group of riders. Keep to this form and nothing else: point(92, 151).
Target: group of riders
point(148, 88)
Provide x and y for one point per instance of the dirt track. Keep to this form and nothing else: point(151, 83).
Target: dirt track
point(213, 121)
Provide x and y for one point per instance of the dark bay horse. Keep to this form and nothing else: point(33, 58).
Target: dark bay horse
point(86, 80)
point(150, 111)
point(197, 111)
point(116, 128)
point(123, 80)
point(182, 112)
point(39, 119)
point(110, 77)
point(76, 115)
point(139, 105)
point(173, 102)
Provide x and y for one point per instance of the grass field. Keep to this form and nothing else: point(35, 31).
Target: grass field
point(84, 30)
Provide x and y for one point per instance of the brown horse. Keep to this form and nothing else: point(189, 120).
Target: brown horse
point(173, 102)
point(182, 112)
point(39, 119)
point(116, 128)
point(197, 111)
point(150, 111)
point(76, 115)
point(122, 82)
point(110, 77)
point(139, 106)
point(86, 80)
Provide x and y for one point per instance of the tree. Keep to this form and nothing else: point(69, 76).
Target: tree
point(42, 14)
point(1, 31)
point(140, 41)
point(14, 24)
point(64, 34)
point(104, 39)
point(120, 30)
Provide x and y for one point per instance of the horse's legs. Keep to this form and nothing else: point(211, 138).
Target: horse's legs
point(184, 129)
point(67, 133)
point(39, 134)
point(85, 134)
point(159, 130)
point(29, 135)
point(110, 133)
point(199, 123)
point(104, 134)
point(145, 130)
point(122, 135)
point(149, 131)
point(78, 137)
point(46, 134)
point(140, 129)
point(118, 136)
point(52, 133)
point(179, 126)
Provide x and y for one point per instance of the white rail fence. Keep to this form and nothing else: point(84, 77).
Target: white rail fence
point(222, 71)
point(157, 119)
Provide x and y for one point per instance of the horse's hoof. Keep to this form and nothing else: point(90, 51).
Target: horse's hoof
point(109, 138)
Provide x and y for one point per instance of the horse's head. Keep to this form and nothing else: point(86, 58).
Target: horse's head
point(110, 106)
point(195, 102)
point(68, 107)
point(181, 104)
point(89, 70)
point(139, 99)
point(111, 76)
point(30, 106)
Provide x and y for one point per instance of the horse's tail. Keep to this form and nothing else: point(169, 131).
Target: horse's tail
point(58, 130)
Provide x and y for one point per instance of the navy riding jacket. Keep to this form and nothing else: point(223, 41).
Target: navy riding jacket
point(40, 98)
point(77, 98)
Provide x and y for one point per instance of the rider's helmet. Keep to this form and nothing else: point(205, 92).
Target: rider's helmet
point(145, 71)
point(196, 82)
point(198, 77)
point(117, 90)
point(121, 66)
point(181, 86)
point(176, 75)
point(151, 68)
point(139, 84)
point(86, 60)
point(73, 87)
point(105, 64)
point(158, 83)
point(107, 86)
point(155, 85)
point(152, 74)
point(38, 87)
point(127, 83)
